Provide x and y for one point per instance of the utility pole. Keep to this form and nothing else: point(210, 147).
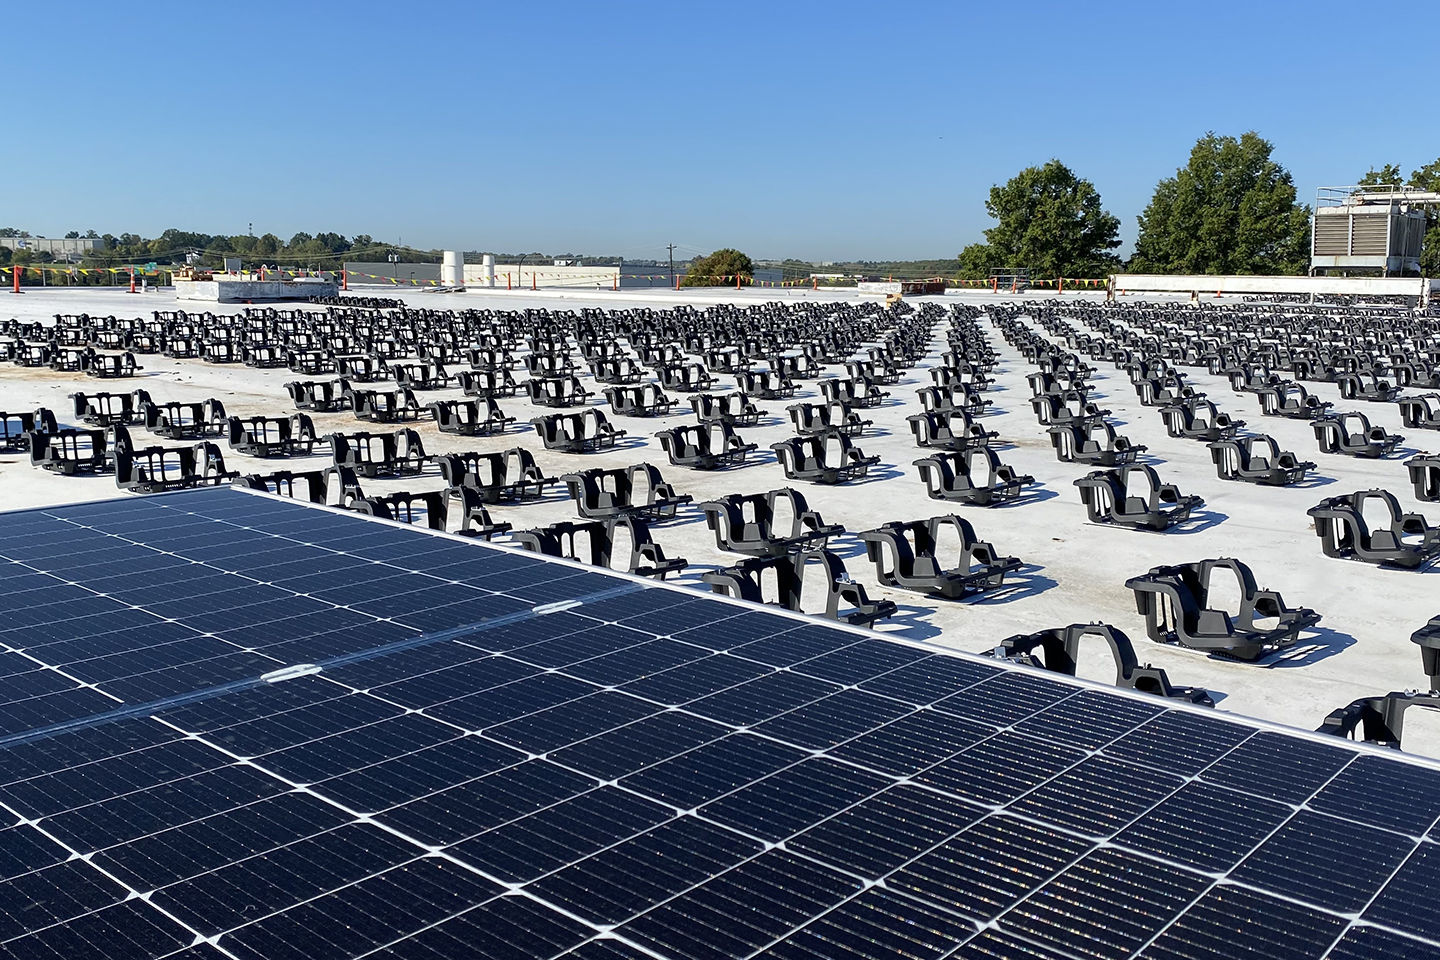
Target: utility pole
point(671, 248)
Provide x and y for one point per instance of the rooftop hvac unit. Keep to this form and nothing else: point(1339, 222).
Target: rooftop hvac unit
point(1359, 228)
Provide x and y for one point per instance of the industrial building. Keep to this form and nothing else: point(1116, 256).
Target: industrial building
point(64, 247)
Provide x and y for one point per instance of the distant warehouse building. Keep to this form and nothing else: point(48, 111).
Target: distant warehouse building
point(64, 247)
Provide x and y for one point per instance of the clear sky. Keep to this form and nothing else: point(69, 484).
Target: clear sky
point(823, 131)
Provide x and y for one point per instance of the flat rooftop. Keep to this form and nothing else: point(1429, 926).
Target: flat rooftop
point(1075, 571)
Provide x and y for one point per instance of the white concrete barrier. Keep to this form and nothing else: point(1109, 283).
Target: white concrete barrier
point(252, 291)
point(1206, 285)
point(539, 275)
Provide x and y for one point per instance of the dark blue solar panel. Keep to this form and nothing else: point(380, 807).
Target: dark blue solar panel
point(649, 773)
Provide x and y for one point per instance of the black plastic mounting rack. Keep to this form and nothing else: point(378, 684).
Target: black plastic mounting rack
point(973, 476)
point(822, 459)
point(710, 445)
point(1257, 459)
point(1425, 474)
point(510, 475)
point(751, 523)
point(69, 451)
point(594, 542)
point(1110, 496)
point(1058, 650)
point(845, 600)
point(1176, 603)
point(1407, 541)
point(470, 418)
point(576, 432)
point(160, 469)
point(15, 428)
point(265, 437)
point(1352, 434)
point(734, 408)
point(905, 556)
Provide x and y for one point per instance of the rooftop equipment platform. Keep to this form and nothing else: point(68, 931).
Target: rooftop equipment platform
point(1370, 228)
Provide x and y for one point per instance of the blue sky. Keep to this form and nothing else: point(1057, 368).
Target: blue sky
point(815, 130)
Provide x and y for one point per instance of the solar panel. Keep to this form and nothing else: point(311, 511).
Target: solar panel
point(237, 726)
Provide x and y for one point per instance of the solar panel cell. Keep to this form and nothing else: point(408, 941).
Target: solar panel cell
point(1001, 768)
point(633, 747)
point(762, 698)
point(571, 722)
point(715, 769)
point(1326, 861)
point(1206, 827)
point(886, 831)
point(1408, 903)
point(1234, 922)
point(1368, 943)
point(1278, 767)
point(475, 806)
point(1005, 698)
point(877, 925)
point(626, 879)
point(250, 889)
point(912, 743)
point(562, 834)
point(125, 931)
point(1107, 905)
point(696, 679)
point(743, 910)
point(1097, 797)
point(1400, 797)
point(833, 720)
point(989, 867)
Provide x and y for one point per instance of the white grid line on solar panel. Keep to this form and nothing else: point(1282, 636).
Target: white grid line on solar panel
point(867, 880)
point(291, 795)
point(1213, 879)
point(421, 849)
point(1140, 813)
point(488, 598)
point(416, 852)
point(13, 702)
point(217, 500)
point(833, 865)
point(1416, 852)
point(77, 854)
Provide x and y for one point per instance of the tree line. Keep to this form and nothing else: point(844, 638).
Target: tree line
point(320, 251)
point(1230, 210)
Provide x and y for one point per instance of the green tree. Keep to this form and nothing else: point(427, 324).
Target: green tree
point(1051, 221)
point(718, 269)
point(976, 261)
point(1428, 178)
point(1230, 210)
point(1388, 175)
point(267, 245)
